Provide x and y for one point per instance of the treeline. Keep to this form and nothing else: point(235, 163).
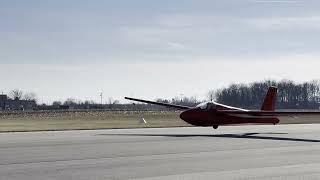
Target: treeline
point(111, 104)
point(185, 101)
point(291, 95)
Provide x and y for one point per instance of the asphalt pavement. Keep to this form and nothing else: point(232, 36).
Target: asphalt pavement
point(233, 152)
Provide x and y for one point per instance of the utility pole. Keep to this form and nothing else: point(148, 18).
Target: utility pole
point(101, 95)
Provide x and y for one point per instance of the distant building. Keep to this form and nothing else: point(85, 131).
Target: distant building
point(16, 104)
point(3, 100)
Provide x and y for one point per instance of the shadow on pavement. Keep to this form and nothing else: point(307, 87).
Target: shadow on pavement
point(239, 136)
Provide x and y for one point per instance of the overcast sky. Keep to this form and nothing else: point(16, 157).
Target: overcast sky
point(149, 49)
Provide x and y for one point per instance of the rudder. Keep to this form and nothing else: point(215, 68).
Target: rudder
point(270, 99)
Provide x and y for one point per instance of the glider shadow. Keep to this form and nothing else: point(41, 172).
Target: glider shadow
point(238, 136)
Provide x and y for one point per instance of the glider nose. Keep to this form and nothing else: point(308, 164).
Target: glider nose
point(185, 115)
point(190, 116)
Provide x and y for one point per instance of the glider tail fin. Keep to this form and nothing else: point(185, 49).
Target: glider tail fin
point(270, 99)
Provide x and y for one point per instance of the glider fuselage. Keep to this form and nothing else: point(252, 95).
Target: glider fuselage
point(208, 115)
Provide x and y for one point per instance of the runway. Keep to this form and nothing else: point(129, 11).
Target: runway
point(234, 152)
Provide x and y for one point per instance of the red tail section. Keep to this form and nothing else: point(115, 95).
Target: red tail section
point(270, 99)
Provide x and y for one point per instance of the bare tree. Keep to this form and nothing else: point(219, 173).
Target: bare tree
point(115, 102)
point(211, 95)
point(110, 100)
point(88, 102)
point(70, 101)
point(56, 103)
point(16, 94)
point(30, 96)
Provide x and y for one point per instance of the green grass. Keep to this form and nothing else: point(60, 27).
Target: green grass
point(73, 120)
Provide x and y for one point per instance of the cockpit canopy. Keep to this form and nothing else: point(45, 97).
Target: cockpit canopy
point(207, 105)
point(214, 105)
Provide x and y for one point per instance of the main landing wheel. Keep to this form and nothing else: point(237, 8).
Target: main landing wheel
point(215, 126)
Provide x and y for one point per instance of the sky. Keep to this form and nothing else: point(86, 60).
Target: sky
point(154, 49)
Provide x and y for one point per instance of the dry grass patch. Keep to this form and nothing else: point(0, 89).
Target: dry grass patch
point(88, 120)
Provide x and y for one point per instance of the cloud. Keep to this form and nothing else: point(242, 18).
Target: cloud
point(176, 45)
point(276, 23)
point(112, 31)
